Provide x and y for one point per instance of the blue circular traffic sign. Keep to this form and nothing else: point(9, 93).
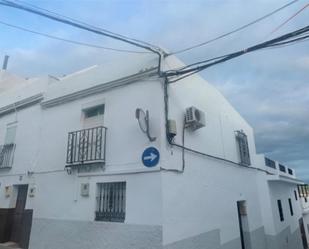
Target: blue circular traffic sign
point(150, 157)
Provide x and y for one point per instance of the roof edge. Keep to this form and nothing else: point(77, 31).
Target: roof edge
point(98, 88)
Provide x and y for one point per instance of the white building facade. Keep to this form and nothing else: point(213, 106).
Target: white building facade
point(73, 173)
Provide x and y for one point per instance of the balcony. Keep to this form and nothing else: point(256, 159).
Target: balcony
point(6, 155)
point(86, 147)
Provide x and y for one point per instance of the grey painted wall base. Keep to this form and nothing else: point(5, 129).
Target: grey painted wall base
point(60, 234)
point(285, 240)
point(211, 240)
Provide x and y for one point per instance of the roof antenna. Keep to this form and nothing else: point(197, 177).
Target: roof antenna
point(5, 62)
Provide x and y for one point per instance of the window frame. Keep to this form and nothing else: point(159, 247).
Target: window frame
point(10, 137)
point(282, 168)
point(291, 207)
point(97, 110)
point(270, 163)
point(281, 215)
point(111, 205)
point(243, 148)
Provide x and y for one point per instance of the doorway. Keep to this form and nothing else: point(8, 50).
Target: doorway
point(243, 225)
point(303, 233)
point(15, 224)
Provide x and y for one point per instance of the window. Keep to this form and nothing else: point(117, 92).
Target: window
point(295, 193)
point(111, 202)
point(10, 134)
point(270, 163)
point(242, 140)
point(94, 111)
point(291, 207)
point(280, 210)
point(290, 171)
point(282, 168)
point(303, 190)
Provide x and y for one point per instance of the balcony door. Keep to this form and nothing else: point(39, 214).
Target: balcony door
point(303, 233)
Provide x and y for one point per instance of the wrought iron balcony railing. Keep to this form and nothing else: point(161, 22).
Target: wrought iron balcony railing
point(6, 155)
point(86, 146)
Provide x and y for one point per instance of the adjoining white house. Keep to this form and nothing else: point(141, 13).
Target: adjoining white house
point(113, 157)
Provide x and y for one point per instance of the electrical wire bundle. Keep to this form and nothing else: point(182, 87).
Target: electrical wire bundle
point(175, 74)
point(284, 40)
point(78, 24)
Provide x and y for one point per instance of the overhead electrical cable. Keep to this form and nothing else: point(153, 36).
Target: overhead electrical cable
point(84, 23)
point(70, 41)
point(79, 25)
point(234, 30)
point(289, 38)
point(289, 19)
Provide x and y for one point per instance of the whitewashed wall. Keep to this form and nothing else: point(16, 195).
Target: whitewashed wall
point(201, 200)
point(204, 197)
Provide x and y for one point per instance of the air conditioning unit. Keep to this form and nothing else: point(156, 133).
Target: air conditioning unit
point(195, 118)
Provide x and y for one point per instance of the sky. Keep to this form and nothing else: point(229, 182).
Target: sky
point(269, 88)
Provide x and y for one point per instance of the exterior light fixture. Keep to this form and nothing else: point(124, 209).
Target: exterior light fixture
point(69, 170)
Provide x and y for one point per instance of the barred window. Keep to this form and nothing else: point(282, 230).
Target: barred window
point(282, 168)
point(303, 190)
point(243, 146)
point(111, 200)
point(280, 210)
point(290, 171)
point(270, 163)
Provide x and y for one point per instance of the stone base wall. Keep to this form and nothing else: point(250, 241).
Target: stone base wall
point(57, 234)
point(285, 240)
point(212, 240)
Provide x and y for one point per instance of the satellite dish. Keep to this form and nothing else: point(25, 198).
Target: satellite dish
point(143, 121)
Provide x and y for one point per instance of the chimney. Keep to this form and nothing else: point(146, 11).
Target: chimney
point(5, 62)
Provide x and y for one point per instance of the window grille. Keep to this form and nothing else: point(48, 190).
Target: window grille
point(111, 202)
point(243, 146)
point(282, 168)
point(290, 171)
point(303, 190)
point(270, 163)
point(6, 155)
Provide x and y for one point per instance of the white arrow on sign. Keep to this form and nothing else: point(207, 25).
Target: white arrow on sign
point(151, 157)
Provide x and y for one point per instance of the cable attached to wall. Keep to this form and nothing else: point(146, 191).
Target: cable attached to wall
point(184, 148)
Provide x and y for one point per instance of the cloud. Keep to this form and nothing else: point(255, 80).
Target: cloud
point(269, 88)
